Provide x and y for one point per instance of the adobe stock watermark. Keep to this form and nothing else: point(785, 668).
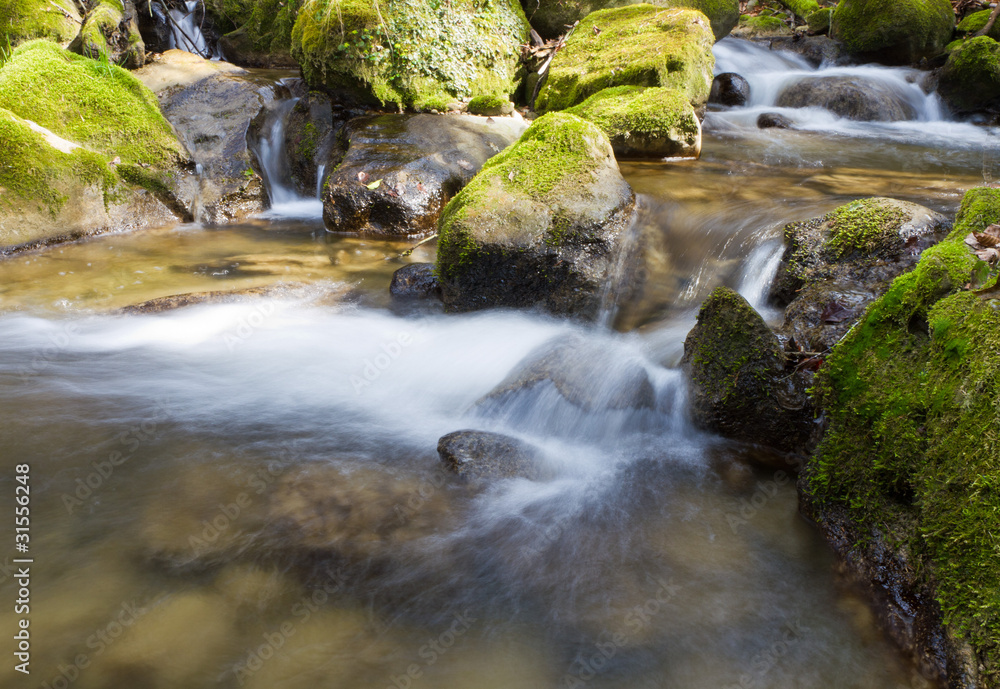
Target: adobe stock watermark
point(373, 368)
point(129, 442)
point(273, 640)
point(45, 357)
point(763, 493)
point(639, 618)
point(247, 325)
point(433, 650)
point(420, 496)
point(764, 661)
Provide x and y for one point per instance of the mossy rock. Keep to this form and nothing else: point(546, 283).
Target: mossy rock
point(541, 224)
point(111, 32)
point(970, 79)
point(852, 97)
point(898, 32)
point(257, 34)
point(23, 20)
point(410, 52)
point(491, 106)
point(976, 21)
point(644, 122)
point(819, 21)
point(836, 264)
point(761, 25)
point(551, 18)
point(738, 385)
point(639, 45)
point(911, 394)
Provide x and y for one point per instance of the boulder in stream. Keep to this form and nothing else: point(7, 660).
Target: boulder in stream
point(400, 170)
point(898, 32)
point(552, 18)
point(639, 45)
point(836, 264)
point(482, 457)
point(24, 20)
point(314, 135)
point(415, 281)
point(970, 79)
point(541, 224)
point(84, 147)
point(255, 34)
point(739, 387)
point(646, 122)
point(852, 97)
point(730, 89)
point(773, 120)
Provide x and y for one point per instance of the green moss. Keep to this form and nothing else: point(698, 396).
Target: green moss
point(487, 105)
point(639, 45)
point(23, 20)
point(97, 105)
point(32, 170)
point(410, 51)
point(902, 31)
point(976, 21)
point(867, 225)
point(762, 24)
point(267, 24)
point(820, 20)
point(555, 154)
point(913, 398)
point(970, 80)
point(801, 8)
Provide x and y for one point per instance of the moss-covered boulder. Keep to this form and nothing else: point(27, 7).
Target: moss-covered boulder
point(851, 97)
point(760, 25)
point(315, 141)
point(976, 21)
point(110, 32)
point(256, 34)
point(541, 224)
point(819, 21)
point(640, 45)
point(738, 385)
point(83, 130)
point(410, 52)
point(644, 122)
point(400, 170)
point(836, 264)
point(552, 18)
point(490, 106)
point(23, 20)
point(905, 478)
point(898, 32)
point(970, 79)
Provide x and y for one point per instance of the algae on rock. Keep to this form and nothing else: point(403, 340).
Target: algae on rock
point(551, 18)
point(111, 32)
point(23, 20)
point(420, 53)
point(913, 398)
point(898, 32)
point(970, 80)
point(639, 45)
point(257, 34)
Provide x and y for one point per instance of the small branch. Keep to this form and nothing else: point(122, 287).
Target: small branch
point(989, 23)
point(410, 250)
point(543, 72)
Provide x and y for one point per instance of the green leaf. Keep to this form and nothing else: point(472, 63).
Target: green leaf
point(374, 185)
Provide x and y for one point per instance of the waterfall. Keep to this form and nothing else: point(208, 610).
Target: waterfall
point(273, 158)
point(186, 34)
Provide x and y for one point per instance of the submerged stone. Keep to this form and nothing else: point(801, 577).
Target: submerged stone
point(854, 98)
point(541, 224)
point(639, 45)
point(730, 89)
point(482, 457)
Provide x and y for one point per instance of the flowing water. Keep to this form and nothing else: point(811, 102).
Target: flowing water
point(249, 494)
point(186, 33)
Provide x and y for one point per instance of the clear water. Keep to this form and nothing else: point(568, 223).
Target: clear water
point(248, 494)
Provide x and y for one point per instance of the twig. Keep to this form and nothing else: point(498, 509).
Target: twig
point(410, 250)
point(543, 72)
point(184, 34)
point(989, 22)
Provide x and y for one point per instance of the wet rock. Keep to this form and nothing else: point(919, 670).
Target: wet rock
point(970, 80)
point(817, 49)
point(901, 32)
point(834, 265)
point(483, 457)
point(639, 45)
point(552, 18)
point(585, 374)
point(541, 225)
point(855, 98)
point(415, 281)
point(729, 88)
point(773, 120)
point(738, 384)
point(400, 170)
point(257, 34)
point(111, 30)
point(211, 104)
point(489, 106)
point(313, 137)
point(644, 122)
point(154, 26)
point(311, 293)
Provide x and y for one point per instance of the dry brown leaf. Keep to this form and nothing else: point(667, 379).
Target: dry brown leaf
point(990, 255)
point(989, 237)
point(972, 241)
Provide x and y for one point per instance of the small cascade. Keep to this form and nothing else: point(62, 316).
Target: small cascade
point(186, 33)
point(320, 171)
point(271, 153)
point(621, 277)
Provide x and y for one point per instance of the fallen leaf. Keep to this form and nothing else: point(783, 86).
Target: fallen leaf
point(374, 185)
point(971, 240)
point(835, 312)
point(990, 255)
point(988, 237)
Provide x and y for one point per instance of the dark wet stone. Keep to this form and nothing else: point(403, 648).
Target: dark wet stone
point(729, 88)
point(854, 98)
point(313, 137)
point(480, 456)
point(415, 281)
point(772, 120)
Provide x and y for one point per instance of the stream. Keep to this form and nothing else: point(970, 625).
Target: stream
point(248, 494)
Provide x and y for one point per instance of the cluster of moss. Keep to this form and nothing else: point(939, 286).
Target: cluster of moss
point(976, 21)
point(970, 80)
point(556, 153)
point(866, 225)
point(487, 105)
point(411, 52)
point(267, 24)
point(902, 31)
point(913, 398)
point(22, 20)
point(761, 24)
point(639, 45)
